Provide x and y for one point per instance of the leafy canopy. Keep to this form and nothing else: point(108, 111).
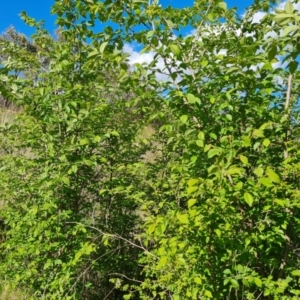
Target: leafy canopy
point(174, 179)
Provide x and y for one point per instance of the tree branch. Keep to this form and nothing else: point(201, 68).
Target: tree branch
point(286, 107)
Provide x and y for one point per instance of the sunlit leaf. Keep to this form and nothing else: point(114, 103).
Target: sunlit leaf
point(175, 49)
point(248, 198)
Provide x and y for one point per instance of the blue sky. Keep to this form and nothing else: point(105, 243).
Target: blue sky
point(40, 9)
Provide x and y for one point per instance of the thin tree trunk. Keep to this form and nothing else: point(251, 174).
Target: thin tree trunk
point(286, 107)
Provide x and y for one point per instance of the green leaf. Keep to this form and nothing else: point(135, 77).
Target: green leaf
point(223, 5)
point(235, 170)
point(258, 281)
point(213, 136)
point(207, 147)
point(103, 46)
point(198, 280)
point(163, 261)
point(281, 17)
point(266, 143)
point(239, 186)
point(73, 169)
point(192, 99)
point(259, 172)
point(184, 118)
point(200, 143)
point(192, 182)
point(97, 139)
point(150, 33)
point(258, 133)
point(93, 53)
point(14, 87)
point(65, 180)
point(4, 78)
point(244, 159)
point(175, 49)
point(266, 182)
point(213, 169)
point(273, 176)
point(84, 142)
point(208, 294)
point(248, 198)
point(192, 189)
point(234, 283)
point(151, 228)
point(213, 152)
point(272, 52)
point(204, 63)
point(289, 7)
point(35, 209)
point(293, 65)
point(201, 136)
point(183, 218)
point(279, 202)
point(191, 202)
point(289, 29)
point(246, 141)
point(218, 232)
point(229, 117)
point(232, 69)
point(296, 273)
point(146, 49)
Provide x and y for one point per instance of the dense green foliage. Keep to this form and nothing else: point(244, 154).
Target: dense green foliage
point(204, 207)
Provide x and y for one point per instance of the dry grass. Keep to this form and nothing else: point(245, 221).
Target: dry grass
point(7, 116)
point(147, 134)
point(12, 294)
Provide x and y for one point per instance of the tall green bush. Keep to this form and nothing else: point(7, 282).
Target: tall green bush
point(214, 214)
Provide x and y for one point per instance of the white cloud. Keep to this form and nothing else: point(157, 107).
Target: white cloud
point(146, 58)
point(136, 57)
point(257, 17)
point(282, 4)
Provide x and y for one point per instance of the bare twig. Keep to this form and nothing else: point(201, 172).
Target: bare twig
point(106, 297)
point(286, 107)
point(288, 93)
point(115, 236)
point(87, 269)
point(259, 295)
point(285, 256)
point(122, 275)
